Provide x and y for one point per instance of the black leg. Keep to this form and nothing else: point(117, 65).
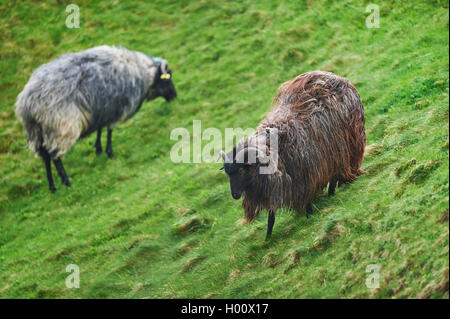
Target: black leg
point(332, 187)
point(48, 167)
point(309, 210)
point(61, 171)
point(340, 182)
point(270, 222)
point(98, 142)
point(108, 144)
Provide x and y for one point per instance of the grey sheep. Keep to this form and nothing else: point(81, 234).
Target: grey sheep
point(80, 93)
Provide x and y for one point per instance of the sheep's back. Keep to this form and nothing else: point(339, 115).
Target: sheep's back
point(105, 86)
point(320, 120)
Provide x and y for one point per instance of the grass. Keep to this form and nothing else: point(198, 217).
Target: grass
point(140, 226)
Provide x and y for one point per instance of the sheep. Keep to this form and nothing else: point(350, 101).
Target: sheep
point(80, 93)
point(318, 121)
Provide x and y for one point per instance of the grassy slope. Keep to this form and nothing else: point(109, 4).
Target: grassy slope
point(142, 226)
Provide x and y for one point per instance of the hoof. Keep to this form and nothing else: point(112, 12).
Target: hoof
point(98, 151)
point(52, 189)
point(110, 154)
point(67, 183)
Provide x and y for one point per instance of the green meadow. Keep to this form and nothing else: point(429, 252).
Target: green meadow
point(141, 226)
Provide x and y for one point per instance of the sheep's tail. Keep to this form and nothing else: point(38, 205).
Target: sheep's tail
point(55, 129)
point(32, 128)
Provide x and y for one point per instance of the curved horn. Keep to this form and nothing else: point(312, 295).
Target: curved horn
point(222, 155)
point(164, 66)
point(261, 156)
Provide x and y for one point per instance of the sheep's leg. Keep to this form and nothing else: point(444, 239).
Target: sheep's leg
point(270, 223)
point(309, 210)
point(61, 171)
point(332, 187)
point(341, 181)
point(108, 144)
point(98, 142)
point(48, 167)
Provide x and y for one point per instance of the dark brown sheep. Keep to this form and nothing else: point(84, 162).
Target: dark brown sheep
point(319, 121)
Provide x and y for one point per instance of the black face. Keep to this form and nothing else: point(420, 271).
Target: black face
point(239, 174)
point(163, 86)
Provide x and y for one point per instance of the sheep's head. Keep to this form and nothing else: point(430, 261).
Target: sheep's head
point(241, 167)
point(162, 84)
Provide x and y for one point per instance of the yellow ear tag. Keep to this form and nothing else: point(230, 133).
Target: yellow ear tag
point(165, 76)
